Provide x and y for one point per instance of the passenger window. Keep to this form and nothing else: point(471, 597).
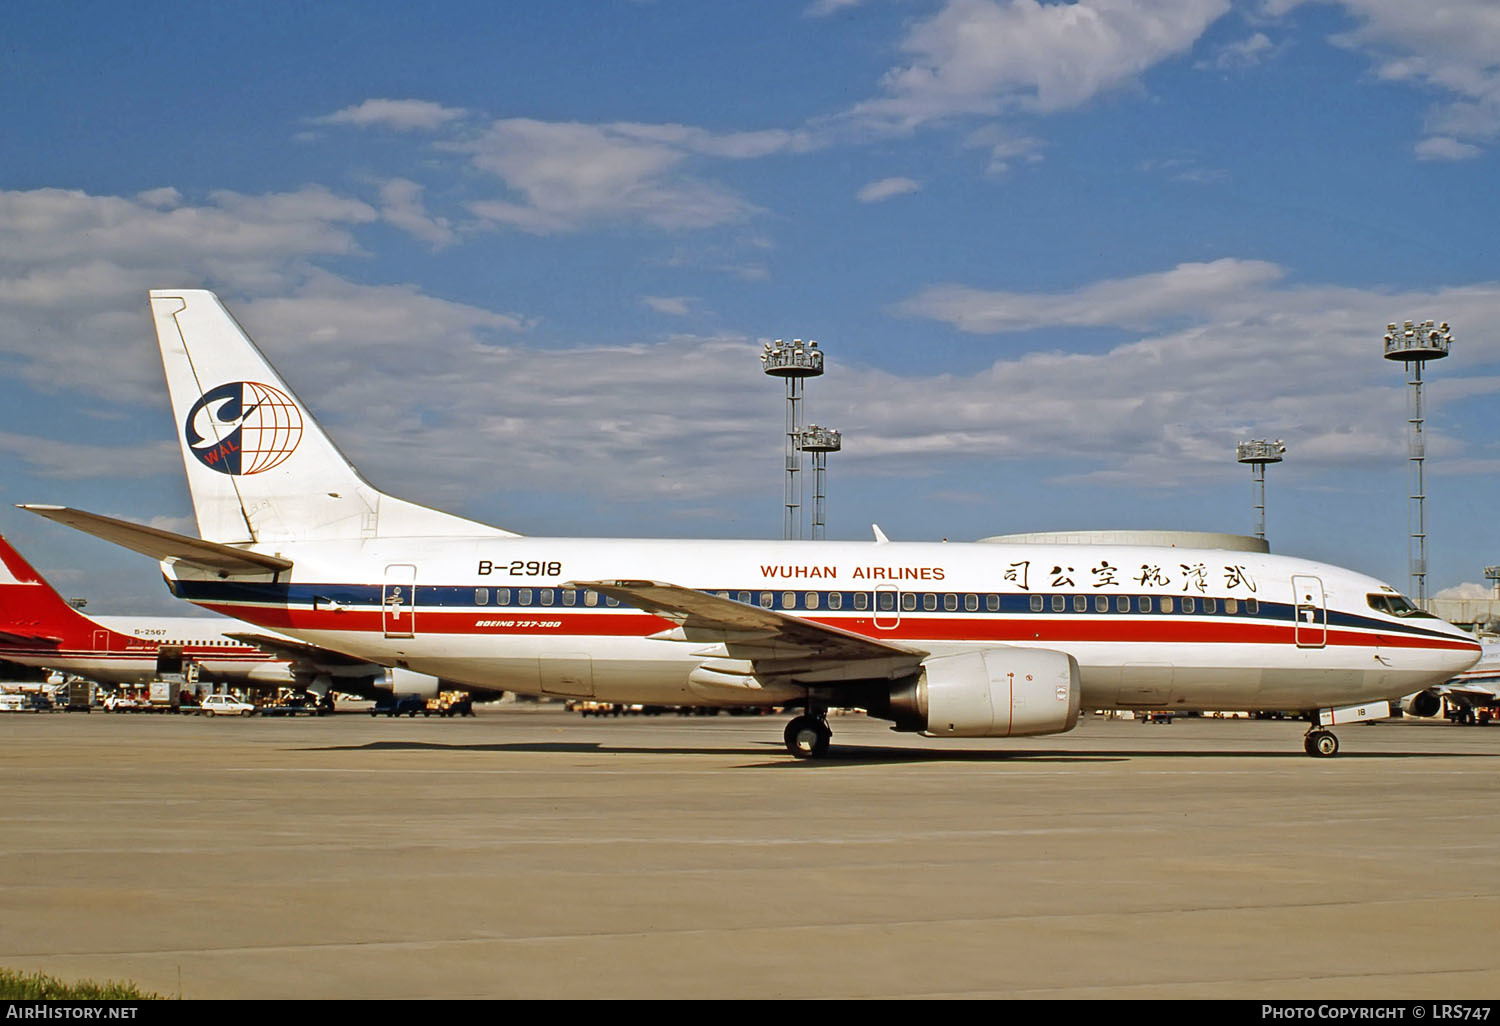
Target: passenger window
point(992, 603)
point(570, 597)
point(524, 594)
point(971, 603)
point(908, 600)
point(1059, 604)
point(766, 599)
point(861, 600)
point(1080, 603)
point(547, 595)
point(1101, 604)
point(885, 600)
point(502, 596)
point(835, 600)
point(1189, 604)
point(811, 600)
point(1210, 605)
point(929, 601)
point(789, 600)
point(1231, 605)
point(610, 600)
point(481, 596)
point(745, 597)
point(1122, 603)
point(1145, 603)
point(591, 598)
point(950, 602)
point(1036, 603)
point(1166, 604)
point(1252, 606)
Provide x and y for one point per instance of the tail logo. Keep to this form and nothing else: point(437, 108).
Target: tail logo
point(243, 427)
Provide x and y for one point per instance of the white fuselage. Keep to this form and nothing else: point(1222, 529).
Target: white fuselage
point(1149, 626)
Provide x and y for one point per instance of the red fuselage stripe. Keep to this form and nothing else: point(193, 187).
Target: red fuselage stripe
point(551, 622)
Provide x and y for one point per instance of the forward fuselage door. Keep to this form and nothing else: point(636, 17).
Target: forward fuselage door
point(398, 601)
point(1311, 612)
point(887, 607)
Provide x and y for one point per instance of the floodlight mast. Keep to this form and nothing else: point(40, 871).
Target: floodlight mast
point(1414, 343)
point(1492, 574)
point(794, 361)
point(1257, 454)
point(820, 441)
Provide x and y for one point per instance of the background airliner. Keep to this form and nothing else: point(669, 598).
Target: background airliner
point(955, 640)
point(1476, 688)
point(39, 628)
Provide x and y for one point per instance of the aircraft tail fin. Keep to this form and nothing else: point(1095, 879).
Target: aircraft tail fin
point(259, 467)
point(31, 611)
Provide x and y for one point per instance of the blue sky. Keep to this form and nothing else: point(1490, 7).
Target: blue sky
point(520, 259)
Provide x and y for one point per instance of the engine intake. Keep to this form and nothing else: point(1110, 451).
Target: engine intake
point(994, 692)
point(1423, 703)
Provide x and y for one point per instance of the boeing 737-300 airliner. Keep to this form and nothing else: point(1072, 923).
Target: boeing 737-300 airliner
point(949, 640)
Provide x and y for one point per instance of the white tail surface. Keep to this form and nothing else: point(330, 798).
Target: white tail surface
point(259, 467)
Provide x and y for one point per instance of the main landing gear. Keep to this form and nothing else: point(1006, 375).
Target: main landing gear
point(1321, 744)
point(808, 735)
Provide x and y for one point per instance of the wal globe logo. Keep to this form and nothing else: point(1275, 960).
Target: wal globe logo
point(243, 427)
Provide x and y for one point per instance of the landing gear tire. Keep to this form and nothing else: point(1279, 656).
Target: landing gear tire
point(807, 737)
point(1321, 744)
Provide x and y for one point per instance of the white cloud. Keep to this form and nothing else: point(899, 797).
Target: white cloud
point(984, 57)
point(566, 175)
point(674, 306)
point(823, 8)
point(1243, 53)
point(1004, 147)
point(401, 205)
point(1467, 590)
point(50, 458)
point(399, 115)
point(1445, 147)
point(886, 188)
point(1127, 302)
point(1448, 46)
point(75, 268)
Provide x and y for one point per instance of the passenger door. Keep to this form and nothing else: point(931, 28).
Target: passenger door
point(398, 601)
point(1310, 610)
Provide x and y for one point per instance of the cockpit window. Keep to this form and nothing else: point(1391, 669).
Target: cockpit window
point(1396, 605)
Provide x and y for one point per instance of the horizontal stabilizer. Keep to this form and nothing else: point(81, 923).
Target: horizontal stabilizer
point(287, 648)
point(164, 545)
point(17, 638)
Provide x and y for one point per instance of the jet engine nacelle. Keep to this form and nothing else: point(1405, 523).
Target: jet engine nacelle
point(995, 692)
point(1423, 703)
point(408, 682)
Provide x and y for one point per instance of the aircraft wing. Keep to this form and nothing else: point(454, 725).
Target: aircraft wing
point(778, 642)
point(164, 545)
point(299, 651)
point(1476, 693)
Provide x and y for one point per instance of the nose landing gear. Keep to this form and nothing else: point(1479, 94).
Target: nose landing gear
point(1321, 744)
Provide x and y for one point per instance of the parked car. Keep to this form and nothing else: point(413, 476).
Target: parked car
point(226, 705)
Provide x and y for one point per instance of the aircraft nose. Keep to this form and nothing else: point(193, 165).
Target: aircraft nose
point(1462, 656)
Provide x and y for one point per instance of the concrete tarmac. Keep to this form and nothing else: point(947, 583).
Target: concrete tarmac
point(536, 854)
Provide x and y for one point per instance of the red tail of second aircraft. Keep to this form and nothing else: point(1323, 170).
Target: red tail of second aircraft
point(31, 612)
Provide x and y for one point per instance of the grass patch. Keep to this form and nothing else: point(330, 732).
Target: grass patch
point(18, 986)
